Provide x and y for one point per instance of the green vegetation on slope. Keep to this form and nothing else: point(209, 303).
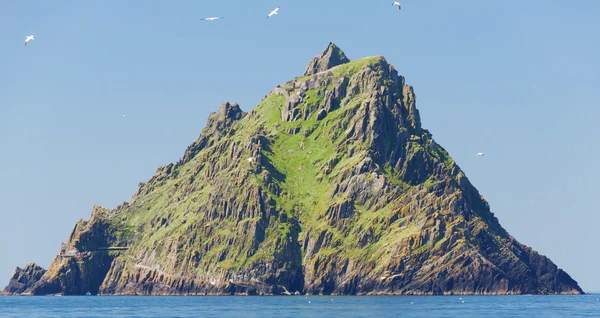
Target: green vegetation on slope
point(170, 209)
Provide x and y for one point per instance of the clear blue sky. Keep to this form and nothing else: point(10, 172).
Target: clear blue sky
point(517, 80)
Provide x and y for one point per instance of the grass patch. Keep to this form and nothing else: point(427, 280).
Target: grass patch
point(350, 68)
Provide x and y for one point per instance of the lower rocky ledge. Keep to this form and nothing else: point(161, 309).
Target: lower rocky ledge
point(247, 290)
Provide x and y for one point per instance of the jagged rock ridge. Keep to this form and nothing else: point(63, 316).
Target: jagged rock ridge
point(329, 186)
point(23, 279)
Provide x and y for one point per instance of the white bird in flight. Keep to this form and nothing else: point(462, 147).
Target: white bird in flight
point(29, 38)
point(273, 12)
point(212, 18)
point(480, 154)
point(396, 3)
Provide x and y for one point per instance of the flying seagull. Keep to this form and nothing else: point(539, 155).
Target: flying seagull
point(273, 12)
point(29, 38)
point(397, 3)
point(480, 154)
point(212, 18)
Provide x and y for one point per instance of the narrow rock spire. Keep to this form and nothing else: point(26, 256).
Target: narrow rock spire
point(332, 56)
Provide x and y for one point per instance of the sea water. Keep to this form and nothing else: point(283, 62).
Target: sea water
point(302, 306)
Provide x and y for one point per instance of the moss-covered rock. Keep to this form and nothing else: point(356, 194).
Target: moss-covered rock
point(329, 186)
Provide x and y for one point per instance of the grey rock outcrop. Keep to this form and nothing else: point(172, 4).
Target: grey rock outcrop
point(23, 279)
point(331, 57)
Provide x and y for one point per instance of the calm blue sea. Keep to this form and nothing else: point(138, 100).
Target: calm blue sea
point(301, 306)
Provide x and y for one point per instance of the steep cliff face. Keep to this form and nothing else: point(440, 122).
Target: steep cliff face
point(329, 186)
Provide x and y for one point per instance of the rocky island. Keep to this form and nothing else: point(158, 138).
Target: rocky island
point(329, 186)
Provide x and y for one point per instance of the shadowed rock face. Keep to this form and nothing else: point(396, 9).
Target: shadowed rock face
point(23, 279)
point(329, 186)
